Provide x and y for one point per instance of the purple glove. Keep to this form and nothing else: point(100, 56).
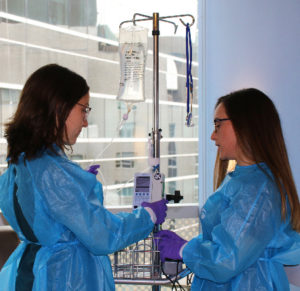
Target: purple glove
point(93, 169)
point(169, 244)
point(159, 208)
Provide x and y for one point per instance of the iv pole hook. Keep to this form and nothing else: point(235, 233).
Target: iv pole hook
point(150, 18)
point(163, 18)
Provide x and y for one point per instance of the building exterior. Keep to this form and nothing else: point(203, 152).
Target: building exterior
point(35, 33)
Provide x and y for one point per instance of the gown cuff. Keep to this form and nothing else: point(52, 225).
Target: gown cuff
point(152, 214)
point(181, 249)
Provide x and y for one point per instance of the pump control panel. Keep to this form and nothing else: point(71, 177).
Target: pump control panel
point(148, 187)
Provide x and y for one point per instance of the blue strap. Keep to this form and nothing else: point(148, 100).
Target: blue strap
point(189, 77)
point(25, 276)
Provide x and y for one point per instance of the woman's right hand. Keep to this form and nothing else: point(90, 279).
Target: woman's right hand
point(158, 208)
point(93, 169)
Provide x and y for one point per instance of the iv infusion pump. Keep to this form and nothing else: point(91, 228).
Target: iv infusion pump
point(148, 187)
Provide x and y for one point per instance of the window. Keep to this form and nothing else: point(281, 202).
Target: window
point(82, 35)
point(128, 130)
point(125, 163)
point(172, 162)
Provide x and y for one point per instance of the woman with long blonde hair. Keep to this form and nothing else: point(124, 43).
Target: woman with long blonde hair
point(251, 223)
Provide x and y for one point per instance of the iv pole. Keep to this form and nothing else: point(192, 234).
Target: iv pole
point(156, 131)
point(156, 136)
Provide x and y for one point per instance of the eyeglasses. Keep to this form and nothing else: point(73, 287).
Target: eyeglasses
point(217, 122)
point(86, 110)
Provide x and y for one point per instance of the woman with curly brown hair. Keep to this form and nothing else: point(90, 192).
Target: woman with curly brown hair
point(54, 205)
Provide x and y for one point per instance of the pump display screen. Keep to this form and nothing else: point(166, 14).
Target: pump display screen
point(142, 184)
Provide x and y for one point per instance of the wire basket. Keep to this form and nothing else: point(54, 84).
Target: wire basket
point(138, 261)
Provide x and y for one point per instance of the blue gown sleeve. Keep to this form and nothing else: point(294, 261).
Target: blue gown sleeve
point(73, 198)
point(246, 227)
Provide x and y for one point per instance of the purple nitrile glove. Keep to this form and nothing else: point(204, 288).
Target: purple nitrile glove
point(93, 169)
point(169, 244)
point(159, 208)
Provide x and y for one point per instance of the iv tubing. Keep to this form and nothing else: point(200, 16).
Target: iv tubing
point(125, 117)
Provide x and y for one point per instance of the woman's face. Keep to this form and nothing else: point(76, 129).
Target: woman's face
point(225, 139)
point(224, 135)
point(76, 120)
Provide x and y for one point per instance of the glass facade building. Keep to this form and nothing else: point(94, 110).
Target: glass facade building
point(76, 34)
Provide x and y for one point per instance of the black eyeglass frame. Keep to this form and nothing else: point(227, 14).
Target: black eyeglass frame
point(216, 120)
point(220, 120)
point(87, 109)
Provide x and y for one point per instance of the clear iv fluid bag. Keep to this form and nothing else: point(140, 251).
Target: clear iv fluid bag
point(133, 44)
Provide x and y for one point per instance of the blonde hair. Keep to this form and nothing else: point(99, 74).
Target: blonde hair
point(258, 130)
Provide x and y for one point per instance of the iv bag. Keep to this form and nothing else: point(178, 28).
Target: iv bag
point(133, 43)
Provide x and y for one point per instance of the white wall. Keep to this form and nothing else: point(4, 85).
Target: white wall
point(250, 43)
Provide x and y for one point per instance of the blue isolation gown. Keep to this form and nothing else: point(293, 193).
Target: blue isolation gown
point(63, 206)
point(244, 243)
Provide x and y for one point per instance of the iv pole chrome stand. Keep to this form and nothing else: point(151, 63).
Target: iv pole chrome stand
point(156, 135)
point(156, 131)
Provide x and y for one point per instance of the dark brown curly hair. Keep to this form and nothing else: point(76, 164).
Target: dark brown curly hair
point(46, 100)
